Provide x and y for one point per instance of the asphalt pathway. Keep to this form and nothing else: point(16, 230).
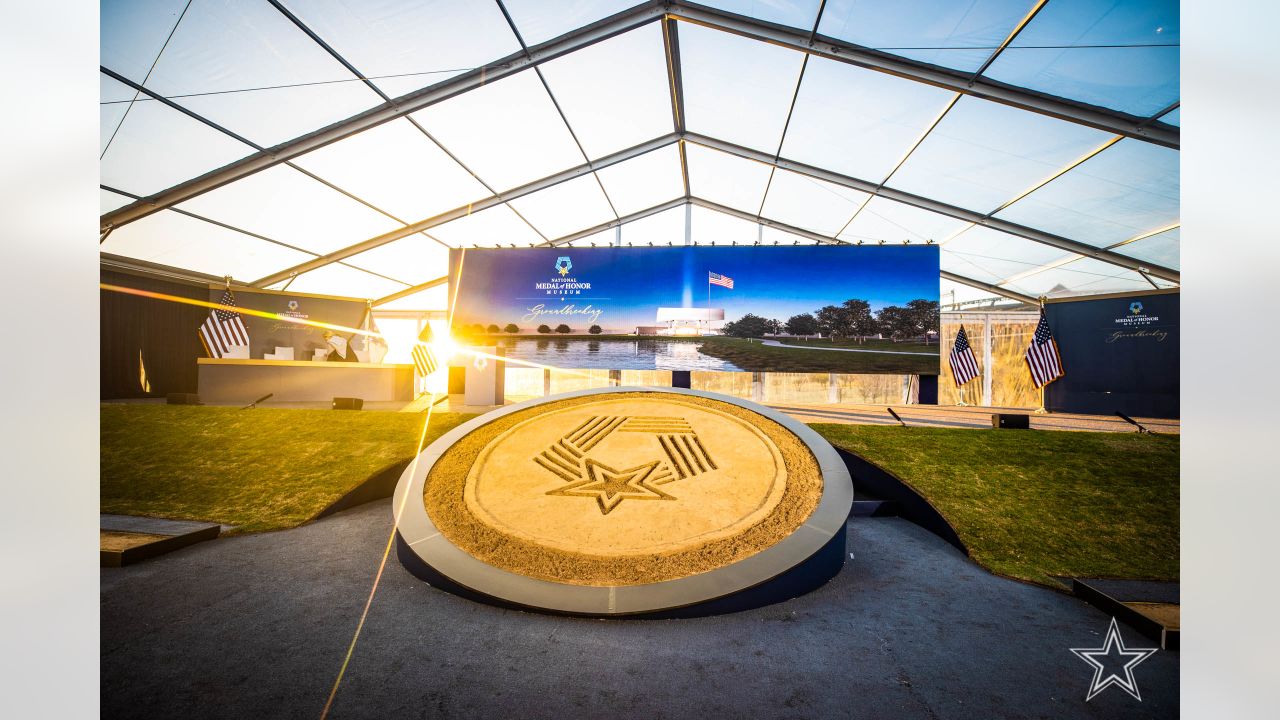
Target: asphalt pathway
point(257, 626)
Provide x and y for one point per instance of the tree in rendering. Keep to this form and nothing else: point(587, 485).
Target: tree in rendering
point(595, 329)
point(544, 329)
point(803, 324)
point(563, 329)
point(748, 326)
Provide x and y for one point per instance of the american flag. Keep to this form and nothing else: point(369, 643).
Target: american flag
point(1042, 355)
point(424, 358)
point(964, 366)
point(223, 329)
point(721, 280)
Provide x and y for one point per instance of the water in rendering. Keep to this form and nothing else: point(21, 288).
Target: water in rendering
point(636, 354)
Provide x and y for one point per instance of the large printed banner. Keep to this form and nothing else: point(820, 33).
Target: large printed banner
point(1120, 354)
point(266, 336)
point(848, 309)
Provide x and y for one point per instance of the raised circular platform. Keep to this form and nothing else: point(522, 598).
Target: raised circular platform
point(625, 500)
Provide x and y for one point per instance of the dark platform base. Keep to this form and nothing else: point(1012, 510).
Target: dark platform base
point(803, 578)
point(180, 534)
point(1110, 597)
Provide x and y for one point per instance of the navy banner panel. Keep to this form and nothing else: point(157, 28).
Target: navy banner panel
point(1119, 354)
point(704, 308)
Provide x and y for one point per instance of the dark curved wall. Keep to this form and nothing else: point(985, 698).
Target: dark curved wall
point(163, 332)
point(1117, 359)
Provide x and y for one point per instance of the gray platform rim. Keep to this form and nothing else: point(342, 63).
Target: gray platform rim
point(424, 540)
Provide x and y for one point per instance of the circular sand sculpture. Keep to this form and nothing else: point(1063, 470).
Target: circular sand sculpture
point(628, 500)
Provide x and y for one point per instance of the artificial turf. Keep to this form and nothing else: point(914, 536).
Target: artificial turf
point(1028, 504)
point(260, 469)
point(1038, 504)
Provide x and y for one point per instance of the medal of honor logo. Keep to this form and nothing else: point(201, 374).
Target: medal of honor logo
point(563, 265)
point(1135, 308)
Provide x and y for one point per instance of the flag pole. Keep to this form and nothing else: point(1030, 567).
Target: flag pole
point(1042, 410)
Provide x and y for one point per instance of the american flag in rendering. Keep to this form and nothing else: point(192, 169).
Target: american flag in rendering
point(223, 329)
point(964, 366)
point(1042, 355)
point(721, 280)
point(424, 358)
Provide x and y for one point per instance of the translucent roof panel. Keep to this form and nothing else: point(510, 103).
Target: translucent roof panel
point(508, 132)
point(114, 100)
point(1160, 249)
point(397, 168)
point(716, 228)
point(345, 281)
point(1173, 117)
point(995, 255)
point(1122, 56)
point(795, 13)
point(415, 259)
point(858, 122)
point(644, 181)
point(774, 236)
point(597, 239)
point(405, 45)
point(958, 35)
point(810, 204)
point(659, 228)
point(954, 292)
point(158, 147)
point(175, 239)
point(615, 94)
point(983, 154)
point(726, 179)
point(222, 50)
point(132, 33)
point(497, 226)
point(436, 298)
point(540, 21)
point(736, 89)
point(960, 265)
point(1124, 191)
point(108, 201)
point(565, 208)
point(893, 221)
point(1082, 277)
point(286, 205)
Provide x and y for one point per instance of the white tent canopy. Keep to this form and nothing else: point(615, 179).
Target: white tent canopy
point(342, 148)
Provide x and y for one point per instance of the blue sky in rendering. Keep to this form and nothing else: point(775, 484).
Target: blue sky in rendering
point(628, 285)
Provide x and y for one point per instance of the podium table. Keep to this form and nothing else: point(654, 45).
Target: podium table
point(243, 381)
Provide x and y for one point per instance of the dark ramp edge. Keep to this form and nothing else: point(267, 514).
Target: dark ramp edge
point(875, 481)
point(805, 577)
point(376, 487)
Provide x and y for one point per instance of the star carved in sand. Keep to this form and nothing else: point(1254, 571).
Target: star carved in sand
point(610, 487)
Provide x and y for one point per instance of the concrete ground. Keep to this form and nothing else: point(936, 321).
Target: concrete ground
point(257, 627)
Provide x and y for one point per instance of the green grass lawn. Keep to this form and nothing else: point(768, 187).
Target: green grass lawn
point(1036, 504)
point(864, 345)
point(1029, 505)
point(261, 469)
point(756, 356)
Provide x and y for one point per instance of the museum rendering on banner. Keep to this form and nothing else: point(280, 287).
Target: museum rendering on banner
point(532, 359)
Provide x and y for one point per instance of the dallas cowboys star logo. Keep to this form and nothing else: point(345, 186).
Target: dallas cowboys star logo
point(1113, 642)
